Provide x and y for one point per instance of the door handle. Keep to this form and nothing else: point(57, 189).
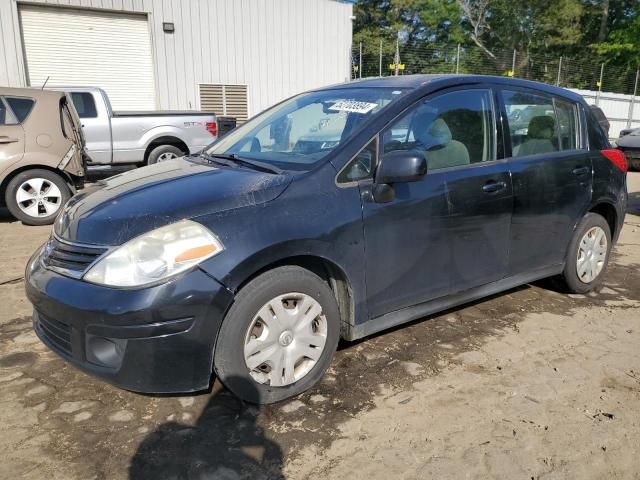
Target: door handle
point(9, 139)
point(492, 186)
point(579, 171)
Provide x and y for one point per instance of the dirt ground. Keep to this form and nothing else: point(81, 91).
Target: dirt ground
point(527, 384)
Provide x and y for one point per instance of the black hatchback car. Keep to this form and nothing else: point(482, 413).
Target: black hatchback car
point(335, 214)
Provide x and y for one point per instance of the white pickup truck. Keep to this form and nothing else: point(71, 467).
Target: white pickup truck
point(120, 138)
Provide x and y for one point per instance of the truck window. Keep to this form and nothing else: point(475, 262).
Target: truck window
point(21, 107)
point(85, 104)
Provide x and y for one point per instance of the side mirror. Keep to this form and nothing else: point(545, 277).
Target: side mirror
point(401, 166)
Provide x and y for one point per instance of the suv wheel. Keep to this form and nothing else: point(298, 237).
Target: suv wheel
point(36, 196)
point(278, 337)
point(588, 254)
point(164, 152)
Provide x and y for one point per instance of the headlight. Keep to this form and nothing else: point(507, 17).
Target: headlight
point(156, 255)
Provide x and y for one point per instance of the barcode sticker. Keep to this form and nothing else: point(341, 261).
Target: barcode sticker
point(352, 106)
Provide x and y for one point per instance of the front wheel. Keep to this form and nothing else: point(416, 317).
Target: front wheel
point(588, 254)
point(279, 336)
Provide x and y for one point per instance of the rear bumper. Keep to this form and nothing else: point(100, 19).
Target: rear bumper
point(158, 339)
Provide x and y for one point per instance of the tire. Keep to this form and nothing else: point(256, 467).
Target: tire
point(164, 152)
point(591, 222)
point(229, 358)
point(25, 184)
point(634, 164)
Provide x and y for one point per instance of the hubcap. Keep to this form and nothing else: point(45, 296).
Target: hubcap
point(166, 156)
point(38, 197)
point(285, 339)
point(592, 254)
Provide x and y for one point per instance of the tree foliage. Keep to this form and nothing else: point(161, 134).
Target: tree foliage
point(602, 30)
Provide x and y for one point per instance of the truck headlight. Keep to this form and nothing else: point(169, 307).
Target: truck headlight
point(155, 255)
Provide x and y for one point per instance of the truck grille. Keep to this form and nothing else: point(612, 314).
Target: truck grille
point(55, 333)
point(69, 257)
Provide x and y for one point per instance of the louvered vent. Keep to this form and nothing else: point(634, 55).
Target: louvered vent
point(225, 100)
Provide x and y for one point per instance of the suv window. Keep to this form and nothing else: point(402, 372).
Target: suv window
point(6, 116)
point(567, 124)
point(85, 104)
point(452, 129)
point(532, 123)
point(3, 113)
point(21, 107)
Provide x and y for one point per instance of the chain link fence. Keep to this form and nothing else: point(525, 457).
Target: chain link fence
point(583, 72)
point(612, 88)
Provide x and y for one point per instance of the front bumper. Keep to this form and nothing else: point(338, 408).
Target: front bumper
point(158, 339)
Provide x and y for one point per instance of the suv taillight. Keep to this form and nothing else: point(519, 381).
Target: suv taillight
point(213, 128)
point(617, 158)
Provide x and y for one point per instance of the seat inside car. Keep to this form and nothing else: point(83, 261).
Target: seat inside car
point(443, 150)
point(539, 139)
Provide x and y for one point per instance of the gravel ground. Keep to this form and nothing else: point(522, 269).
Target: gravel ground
point(530, 383)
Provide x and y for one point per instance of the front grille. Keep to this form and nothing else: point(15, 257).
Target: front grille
point(72, 258)
point(57, 334)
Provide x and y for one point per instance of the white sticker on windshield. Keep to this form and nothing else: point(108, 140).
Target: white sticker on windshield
point(352, 106)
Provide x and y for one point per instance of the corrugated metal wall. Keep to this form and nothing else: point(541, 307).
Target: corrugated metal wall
point(275, 47)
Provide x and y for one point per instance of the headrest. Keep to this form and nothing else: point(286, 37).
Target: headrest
point(440, 131)
point(541, 127)
point(429, 130)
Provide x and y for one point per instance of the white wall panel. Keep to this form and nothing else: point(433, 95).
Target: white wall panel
point(275, 47)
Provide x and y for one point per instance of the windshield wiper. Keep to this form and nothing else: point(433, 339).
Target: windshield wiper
point(265, 167)
point(220, 160)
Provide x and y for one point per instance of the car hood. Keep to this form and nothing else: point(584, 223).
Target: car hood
point(631, 140)
point(115, 210)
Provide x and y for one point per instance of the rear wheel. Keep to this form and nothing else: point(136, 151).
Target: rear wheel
point(162, 153)
point(588, 254)
point(279, 336)
point(36, 196)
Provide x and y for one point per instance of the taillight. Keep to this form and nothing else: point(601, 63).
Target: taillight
point(213, 128)
point(617, 158)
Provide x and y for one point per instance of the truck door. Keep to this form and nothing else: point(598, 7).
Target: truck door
point(96, 125)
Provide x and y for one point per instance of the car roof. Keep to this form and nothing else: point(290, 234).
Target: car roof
point(427, 81)
point(35, 93)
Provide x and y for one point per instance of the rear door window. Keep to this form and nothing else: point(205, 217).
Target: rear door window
point(85, 104)
point(20, 106)
point(567, 114)
point(532, 123)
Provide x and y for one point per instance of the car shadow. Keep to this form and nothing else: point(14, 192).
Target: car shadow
point(5, 216)
point(225, 442)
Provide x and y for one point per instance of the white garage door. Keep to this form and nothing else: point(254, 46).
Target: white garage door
point(88, 48)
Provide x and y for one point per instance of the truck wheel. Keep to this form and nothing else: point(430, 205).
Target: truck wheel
point(164, 152)
point(279, 336)
point(588, 254)
point(36, 196)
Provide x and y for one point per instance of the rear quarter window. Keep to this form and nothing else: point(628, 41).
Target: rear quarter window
point(20, 106)
point(597, 137)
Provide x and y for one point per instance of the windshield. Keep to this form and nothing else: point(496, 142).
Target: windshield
point(302, 130)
